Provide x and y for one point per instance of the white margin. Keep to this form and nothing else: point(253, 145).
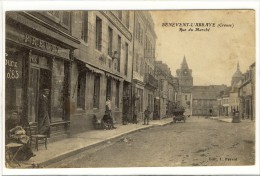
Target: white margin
point(135, 5)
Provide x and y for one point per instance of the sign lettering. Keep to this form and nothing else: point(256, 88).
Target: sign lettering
point(11, 69)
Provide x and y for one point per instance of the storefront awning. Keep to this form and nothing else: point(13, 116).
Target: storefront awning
point(113, 76)
point(95, 70)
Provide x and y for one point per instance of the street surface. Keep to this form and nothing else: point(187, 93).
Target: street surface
point(198, 142)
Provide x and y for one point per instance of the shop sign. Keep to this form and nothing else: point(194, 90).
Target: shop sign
point(11, 69)
point(44, 45)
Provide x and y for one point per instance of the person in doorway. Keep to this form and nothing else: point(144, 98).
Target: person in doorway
point(146, 116)
point(44, 117)
point(16, 133)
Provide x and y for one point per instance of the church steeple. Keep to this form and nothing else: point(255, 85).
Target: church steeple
point(184, 63)
point(238, 69)
point(237, 76)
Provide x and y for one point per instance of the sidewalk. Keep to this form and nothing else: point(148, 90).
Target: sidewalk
point(228, 119)
point(79, 142)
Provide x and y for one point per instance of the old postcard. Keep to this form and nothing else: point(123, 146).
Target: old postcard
point(129, 88)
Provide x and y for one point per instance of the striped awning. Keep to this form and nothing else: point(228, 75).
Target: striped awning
point(95, 70)
point(114, 76)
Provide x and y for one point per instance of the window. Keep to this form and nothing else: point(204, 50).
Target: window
point(110, 41)
point(137, 30)
point(137, 63)
point(120, 15)
point(60, 17)
point(98, 33)
point(118, 51)
point(186, 97)
point(141, 36)
point(109, 90)
point(96, 91)
point(127, 18)
point(126, 58)
point(117, 94)
point(81, 90)
point(84, 34)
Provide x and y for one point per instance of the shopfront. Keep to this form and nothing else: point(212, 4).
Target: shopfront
point(36, 61)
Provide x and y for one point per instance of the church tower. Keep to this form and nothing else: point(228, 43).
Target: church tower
point(237, 76)
point(184, 74)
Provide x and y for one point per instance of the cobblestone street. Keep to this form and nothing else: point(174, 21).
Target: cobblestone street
point(198, 142)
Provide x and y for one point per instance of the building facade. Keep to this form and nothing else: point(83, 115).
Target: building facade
point(247, 94)
point(205, 100)
point(102, 67)
point(167, 90)
point(144, 83)
point(39, 54)
point(229, 98)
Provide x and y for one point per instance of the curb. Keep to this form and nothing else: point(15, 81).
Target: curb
point(74, 152)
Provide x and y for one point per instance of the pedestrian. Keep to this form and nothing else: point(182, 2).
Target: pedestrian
point(44, 117)
point(16, 133)
point(146, 116)
point(108, 121)
point(108, 106)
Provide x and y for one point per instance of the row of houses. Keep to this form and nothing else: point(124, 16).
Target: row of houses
point(83, 57)
point(240, 96)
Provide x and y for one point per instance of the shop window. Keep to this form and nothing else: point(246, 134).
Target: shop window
point(98, 33)
point(81, 90)
point(13, 82)
point(110, 41)
point(118, 51)
point(57, 97)
point(84, 34)
point(96, 91)
point(117, 94)
point(127, 18)
point(126, 58)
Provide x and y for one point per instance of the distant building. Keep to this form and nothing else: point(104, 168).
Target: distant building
point(247, 94)
point(167, 90)
point(205, 99)
point(229, 99)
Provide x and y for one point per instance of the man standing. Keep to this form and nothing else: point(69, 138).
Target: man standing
point(146, 116)
point(44, 118)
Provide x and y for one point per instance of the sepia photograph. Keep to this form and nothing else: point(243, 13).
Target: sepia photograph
point(129, 88)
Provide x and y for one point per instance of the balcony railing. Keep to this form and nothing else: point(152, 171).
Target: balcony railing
point(150, 80)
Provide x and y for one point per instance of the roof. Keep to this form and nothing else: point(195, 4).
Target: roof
point(207, 92)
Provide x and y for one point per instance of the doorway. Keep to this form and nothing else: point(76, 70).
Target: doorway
point(39, 79)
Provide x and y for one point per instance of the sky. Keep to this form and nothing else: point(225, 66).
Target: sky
point(212, 55)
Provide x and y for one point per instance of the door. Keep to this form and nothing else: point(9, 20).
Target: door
point(39, 79)
point(33, 94)
point(45, 83)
